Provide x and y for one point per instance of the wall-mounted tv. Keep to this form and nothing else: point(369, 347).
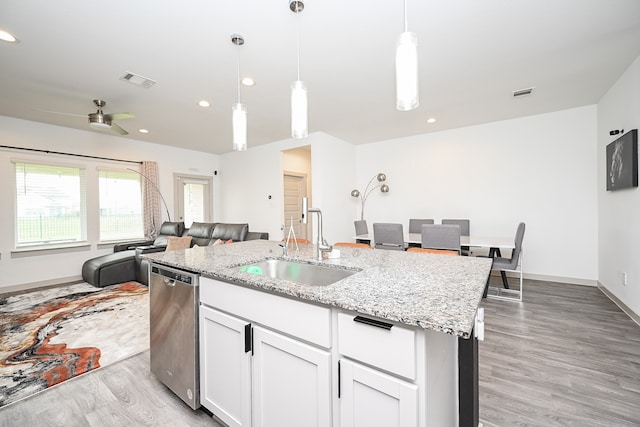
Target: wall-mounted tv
point(622, 162)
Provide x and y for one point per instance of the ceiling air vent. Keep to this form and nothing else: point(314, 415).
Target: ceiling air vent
point(522, 92)
point(137, 80)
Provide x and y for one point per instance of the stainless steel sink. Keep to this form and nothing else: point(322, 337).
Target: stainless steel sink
point(308, 274)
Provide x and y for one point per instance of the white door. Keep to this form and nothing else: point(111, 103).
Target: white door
point(193, 199)
point(369, 398)
point(291, 382)
point(225, 367)
point(295, 188)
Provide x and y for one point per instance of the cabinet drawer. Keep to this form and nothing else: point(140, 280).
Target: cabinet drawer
point(393, 349)
point(302, 320)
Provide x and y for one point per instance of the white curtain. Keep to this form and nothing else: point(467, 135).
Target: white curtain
point(151, 200)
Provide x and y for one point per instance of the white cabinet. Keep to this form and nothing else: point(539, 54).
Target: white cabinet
point(225, 375)
point(252, 375)
point(370, 398)
point(291, 382)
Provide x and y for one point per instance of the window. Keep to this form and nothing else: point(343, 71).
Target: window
point(120, 205)
point(50, 204)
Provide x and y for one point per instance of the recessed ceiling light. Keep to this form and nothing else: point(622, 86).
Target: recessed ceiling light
point(431, 120)
point(248, 81)
point(204, 103)
point(143, 130)
point(8, 37)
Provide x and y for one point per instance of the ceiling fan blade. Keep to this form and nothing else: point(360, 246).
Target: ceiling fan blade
point(120, 116)
point(118, 129)
point(62, 114)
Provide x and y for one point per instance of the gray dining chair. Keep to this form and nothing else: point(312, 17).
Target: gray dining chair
point(388, 236)
point(362, 228)
point(439, 236)
point(512, 263)
point(465, 227)
point(415, 225)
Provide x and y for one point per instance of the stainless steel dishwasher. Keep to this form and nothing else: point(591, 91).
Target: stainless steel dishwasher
point(174, 300)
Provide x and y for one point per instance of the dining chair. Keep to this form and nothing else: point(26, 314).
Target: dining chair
point(433, 251)
point(388, 236)
point(464, 231)
point(298, 240)
point(439, 236)
point(362, 228)
point(415, 225)
point(514, 263)
point(353, 245)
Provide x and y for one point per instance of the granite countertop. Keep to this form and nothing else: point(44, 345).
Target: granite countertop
point(435, 292)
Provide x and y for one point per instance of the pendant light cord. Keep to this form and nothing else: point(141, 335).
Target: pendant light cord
point(406, 26)
point(238, 47)
point(298, 42)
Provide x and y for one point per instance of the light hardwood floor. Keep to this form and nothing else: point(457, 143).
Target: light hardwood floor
point(566, 356)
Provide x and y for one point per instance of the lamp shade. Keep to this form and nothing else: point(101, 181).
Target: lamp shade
point(239, 124)
point(298, 110)
point(407, 72)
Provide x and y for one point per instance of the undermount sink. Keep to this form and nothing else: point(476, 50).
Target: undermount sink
point(300, 272)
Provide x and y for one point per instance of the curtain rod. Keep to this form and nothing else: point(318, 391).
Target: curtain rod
point(70, 154)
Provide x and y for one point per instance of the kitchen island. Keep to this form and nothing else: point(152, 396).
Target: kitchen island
point(400, 322)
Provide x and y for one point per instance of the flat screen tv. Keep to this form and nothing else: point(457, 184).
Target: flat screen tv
point(622, 162)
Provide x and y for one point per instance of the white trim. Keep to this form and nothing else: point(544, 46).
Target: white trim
point(635, 317)
point(42, 284)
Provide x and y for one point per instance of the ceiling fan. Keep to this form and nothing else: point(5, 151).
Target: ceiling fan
point(100, 120)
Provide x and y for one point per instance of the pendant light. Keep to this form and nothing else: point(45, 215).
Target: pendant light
point(299, 127)
point(407, 69)
point(239, 110)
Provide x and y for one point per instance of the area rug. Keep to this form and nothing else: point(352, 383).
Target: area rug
point(52, 335)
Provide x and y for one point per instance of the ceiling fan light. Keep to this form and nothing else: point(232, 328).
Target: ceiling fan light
point(299, 128)
point(239, 124)
point(99, 121)
point(407, 72)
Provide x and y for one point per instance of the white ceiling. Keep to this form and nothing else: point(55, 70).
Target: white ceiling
point(473, 54)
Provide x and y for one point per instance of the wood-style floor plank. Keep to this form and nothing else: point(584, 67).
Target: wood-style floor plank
point(565, 356)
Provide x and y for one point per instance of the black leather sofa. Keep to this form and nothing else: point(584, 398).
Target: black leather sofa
point(126, 264)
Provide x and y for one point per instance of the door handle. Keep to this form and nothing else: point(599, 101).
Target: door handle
point(373, 322)
point(168, 282)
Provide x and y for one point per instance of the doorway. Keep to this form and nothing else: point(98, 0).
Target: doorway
point(193, 198)
point(295, 188)
point(296, 175)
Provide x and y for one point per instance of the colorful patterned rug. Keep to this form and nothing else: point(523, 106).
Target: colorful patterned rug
point(52, 335)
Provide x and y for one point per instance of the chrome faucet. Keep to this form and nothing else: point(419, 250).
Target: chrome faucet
point(321, 245)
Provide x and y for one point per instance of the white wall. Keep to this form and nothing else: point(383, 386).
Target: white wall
point(47, 267)
point(541, 170)
point(250, 177)
point(619, 211)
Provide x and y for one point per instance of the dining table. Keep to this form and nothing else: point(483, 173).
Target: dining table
point(494, 244)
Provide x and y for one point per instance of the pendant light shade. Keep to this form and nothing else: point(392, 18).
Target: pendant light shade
point(239, 123)
point(299, 126)
point(299, 109)
point(407, 72)
point(407, 69)
point(239, 110)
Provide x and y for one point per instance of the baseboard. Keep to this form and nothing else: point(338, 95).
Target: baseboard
point(546, 278)
point(42, 284)
point(635, 317)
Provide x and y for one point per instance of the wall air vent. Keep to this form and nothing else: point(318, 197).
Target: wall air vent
point(137, 80)
point(522, 92)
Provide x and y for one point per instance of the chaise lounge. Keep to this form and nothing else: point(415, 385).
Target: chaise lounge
point(126, 264)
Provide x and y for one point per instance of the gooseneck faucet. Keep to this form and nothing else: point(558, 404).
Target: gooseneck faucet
point(322, 245)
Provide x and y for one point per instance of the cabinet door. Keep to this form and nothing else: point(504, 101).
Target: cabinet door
point(225, 367)
point(369, 398)
point(291, 382)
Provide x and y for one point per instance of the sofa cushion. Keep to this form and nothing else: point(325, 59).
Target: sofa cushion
point(178, 243)
point(200, 233)
point(235, 232)
point(168, 229)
